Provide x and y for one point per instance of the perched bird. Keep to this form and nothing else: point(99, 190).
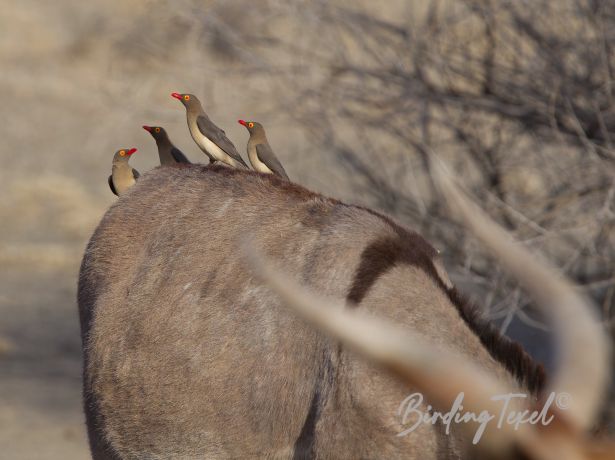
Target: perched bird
point(260, 154)
point(168, 153)
point(211, 139)
point(123, 176)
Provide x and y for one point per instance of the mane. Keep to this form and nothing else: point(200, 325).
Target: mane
point(511, 354)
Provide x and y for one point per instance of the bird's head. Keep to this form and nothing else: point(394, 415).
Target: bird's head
point(189, 100)
point(251, 126)
point(157, 132)
point(123, 154)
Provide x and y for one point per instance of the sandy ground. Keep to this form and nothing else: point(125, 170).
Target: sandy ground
point(40, 365)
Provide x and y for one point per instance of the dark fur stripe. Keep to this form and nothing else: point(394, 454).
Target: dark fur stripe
point(411, 249)
point(305, 443)
point(381, 255)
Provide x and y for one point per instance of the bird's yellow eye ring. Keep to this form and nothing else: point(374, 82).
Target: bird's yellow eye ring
point(186, 97)
point(250, 125)
point(157, 130)
point(122, 152)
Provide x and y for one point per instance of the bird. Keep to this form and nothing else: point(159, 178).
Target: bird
point(260, 154)
point(211, 139)
point(168, 153)
point(123, 176)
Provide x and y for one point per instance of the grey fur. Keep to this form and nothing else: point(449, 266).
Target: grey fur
point(187, 355)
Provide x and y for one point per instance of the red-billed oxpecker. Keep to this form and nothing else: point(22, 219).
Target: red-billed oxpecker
point(260, 154)
point(123, 176)
point(211, 139)
point(168, 153)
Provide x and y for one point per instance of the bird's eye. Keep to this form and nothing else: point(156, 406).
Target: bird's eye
point(157, 130)
point(187, 97)
point(122, 152)
point(250, 125)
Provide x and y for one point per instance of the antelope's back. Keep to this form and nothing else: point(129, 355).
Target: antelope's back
point(187, 355)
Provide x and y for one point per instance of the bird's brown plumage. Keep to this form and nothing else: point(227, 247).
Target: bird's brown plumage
point(260, 154)
point(123, 176)
point(168, 153)
point(210, 138)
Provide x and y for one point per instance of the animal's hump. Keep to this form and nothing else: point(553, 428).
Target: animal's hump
point(212, 177)
point(197, 188)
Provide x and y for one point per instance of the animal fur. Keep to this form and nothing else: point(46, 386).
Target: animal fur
point(187, 355)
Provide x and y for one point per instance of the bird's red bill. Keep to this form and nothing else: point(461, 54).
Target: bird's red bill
point(131, 151)
point(177, 96)
point(147, 128)
point(242, 122)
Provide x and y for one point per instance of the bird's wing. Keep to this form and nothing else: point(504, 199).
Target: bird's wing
point(218, 137)
point(178, 156)
point(135, 173)
point(111, 186)
point(266, 155)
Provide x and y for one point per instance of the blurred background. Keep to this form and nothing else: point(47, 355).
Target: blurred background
point(516, 96)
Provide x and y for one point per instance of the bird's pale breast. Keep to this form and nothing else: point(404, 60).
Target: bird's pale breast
point(257, 164)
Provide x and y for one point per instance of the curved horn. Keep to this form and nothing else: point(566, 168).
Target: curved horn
point(583, 346)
